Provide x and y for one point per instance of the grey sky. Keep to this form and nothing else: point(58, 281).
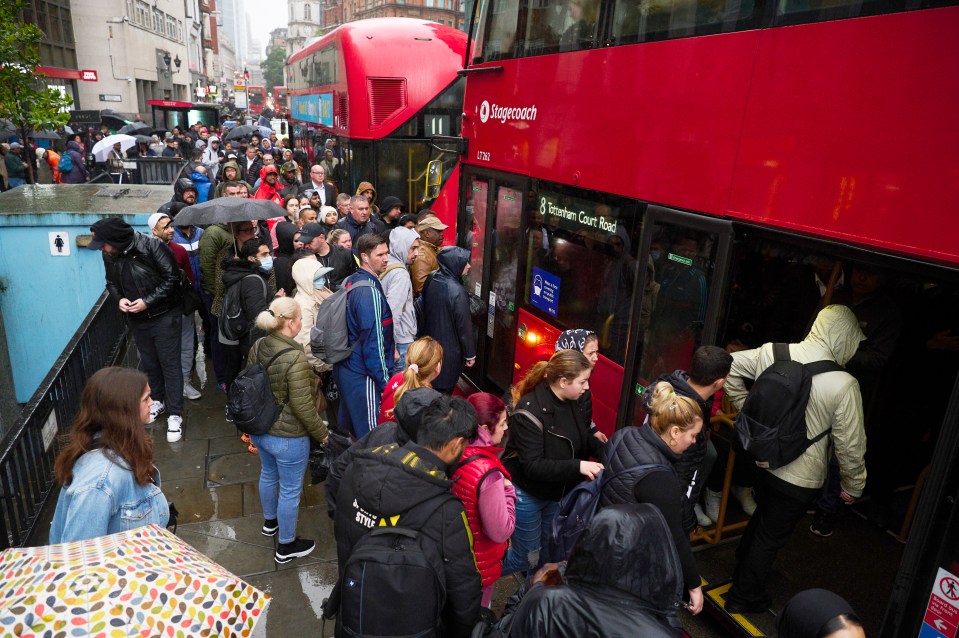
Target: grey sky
point(264, 16)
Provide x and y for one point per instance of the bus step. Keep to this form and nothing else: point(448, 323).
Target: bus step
point(738, 624)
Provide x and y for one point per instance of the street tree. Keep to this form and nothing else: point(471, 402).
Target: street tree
point(27, 104)
point(273, 67)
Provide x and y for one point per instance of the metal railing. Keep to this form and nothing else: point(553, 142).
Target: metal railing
point(28, 450)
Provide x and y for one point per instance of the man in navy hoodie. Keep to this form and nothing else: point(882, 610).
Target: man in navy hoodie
point(362, 376)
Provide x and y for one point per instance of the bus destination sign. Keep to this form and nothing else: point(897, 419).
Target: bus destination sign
point(573, 214)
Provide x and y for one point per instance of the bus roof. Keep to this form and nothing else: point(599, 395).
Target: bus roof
point(386, 70)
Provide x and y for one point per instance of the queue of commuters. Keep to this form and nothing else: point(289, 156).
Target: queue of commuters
point(477, 482)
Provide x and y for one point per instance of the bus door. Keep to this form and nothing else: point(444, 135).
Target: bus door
point(684, 262)
point(490, 230)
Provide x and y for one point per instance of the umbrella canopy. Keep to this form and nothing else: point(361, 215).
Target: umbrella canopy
point(143, 581)
point(265, 131)
point(224, 210)
point(144, 139)
point(137, 128)
point(113, 119)
point(46, 135)
point(102, 148)
point(239, 132)
point(7, 130)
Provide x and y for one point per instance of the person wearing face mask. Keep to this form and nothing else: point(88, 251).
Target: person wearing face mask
point(287, 243)
point(674, 424)
point(398, 288)
point(548, 451)
point(250, 270)
point(312, 290)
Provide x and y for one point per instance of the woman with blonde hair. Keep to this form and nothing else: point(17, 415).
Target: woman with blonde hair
point(675, 422)
point(109, 482)
point(424, 361)
point(285, 448)
point(548, 451)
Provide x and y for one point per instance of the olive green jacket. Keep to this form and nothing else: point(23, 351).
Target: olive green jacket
point(294, 387)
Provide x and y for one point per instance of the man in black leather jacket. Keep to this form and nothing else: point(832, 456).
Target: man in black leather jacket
point(142, 276)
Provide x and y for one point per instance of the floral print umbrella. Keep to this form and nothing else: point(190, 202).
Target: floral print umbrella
point(143, 582)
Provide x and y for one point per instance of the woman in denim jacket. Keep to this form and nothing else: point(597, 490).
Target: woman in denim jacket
point(109, 482)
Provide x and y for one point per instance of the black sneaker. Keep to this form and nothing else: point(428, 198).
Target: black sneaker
point(823, 524)
point(285, 552)
point(270, 526)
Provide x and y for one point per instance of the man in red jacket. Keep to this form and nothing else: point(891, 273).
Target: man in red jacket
point(269, 188)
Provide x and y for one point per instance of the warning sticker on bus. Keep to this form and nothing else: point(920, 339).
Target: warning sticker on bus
point(544, 293)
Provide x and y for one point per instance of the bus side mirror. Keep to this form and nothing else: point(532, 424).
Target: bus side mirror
point(434, 178)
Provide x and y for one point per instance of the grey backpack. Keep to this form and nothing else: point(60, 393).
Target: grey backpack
point(329, 338)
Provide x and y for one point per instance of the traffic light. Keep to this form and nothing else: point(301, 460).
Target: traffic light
point(246, 74)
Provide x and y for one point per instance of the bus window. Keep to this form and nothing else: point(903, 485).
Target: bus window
point(581, 265)
point(649, 20)
point(474, 233)
point(496, 30)
point(802, 11)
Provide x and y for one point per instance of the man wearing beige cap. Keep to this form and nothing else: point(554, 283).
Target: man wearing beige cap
point(431, 238)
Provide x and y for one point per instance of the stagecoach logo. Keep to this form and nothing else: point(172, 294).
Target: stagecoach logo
point(503, 113)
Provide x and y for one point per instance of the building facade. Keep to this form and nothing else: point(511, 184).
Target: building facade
point(306, 22)
point(448, 12)
point(58, 51)
point(139, 49)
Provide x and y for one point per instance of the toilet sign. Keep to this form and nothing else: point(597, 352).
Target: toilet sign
point(942, 612)
point(59, 243)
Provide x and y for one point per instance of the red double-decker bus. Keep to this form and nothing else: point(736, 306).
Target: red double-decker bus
point(683, 172)
point(281, 101)
point(387, 91)
point(256, 99)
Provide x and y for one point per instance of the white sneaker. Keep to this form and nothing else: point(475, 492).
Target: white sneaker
point(745, 497)
point(701, 518)
point(174, 429)
point(713, 501)
point(156, 410)
point(190, 392)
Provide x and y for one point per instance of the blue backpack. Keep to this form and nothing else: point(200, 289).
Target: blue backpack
point(65, 165)
point(579, 505)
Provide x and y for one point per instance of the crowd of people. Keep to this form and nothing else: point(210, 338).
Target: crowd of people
point(477, 481)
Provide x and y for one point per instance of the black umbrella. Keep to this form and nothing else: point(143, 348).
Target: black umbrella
point(137, 128)
point(7, 130)
point(224, 210)
point(46, 135)
point(143, 139)
point(113, 119)
point(239, 132)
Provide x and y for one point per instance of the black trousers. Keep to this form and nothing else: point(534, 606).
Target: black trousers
point(768, 530)
point(158, 342)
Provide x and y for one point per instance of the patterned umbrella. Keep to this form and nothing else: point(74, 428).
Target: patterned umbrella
point(145, 582)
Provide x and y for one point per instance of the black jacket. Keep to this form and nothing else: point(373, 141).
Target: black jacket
point(390, 480)
point(622, 579)
point(447, 308)
point(642, 446)
point(328, 193)
point(181, 185)
point(357, 230)
point(255, 293)
point(145, 270)
point(546, 464)
point(690, 465)
point(283, 262)
point(343, 264)
point(408, 415)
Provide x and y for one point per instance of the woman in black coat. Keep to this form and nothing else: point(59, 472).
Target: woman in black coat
point(447, 308)
point(548, 451)
point(675, 422)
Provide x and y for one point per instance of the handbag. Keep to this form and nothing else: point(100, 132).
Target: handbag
point(323, 457)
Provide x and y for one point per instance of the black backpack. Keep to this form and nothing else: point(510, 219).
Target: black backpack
point(233, 325)
point(394, 582)
point(771, 426)
point(250, 401)
point(579, 505)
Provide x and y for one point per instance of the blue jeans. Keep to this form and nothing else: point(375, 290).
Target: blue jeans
point(400, 364)
point(528, 545)
point(283, 464)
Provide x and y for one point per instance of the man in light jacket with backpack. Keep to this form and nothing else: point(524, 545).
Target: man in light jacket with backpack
point(783, 494)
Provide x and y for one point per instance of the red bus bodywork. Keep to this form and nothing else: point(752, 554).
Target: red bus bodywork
point(386, 71)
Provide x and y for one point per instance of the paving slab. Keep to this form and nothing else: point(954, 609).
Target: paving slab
point(196, 502)
point(230, 469)
point(297, 596)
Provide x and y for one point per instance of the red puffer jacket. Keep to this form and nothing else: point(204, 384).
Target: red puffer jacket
point(477, 464)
